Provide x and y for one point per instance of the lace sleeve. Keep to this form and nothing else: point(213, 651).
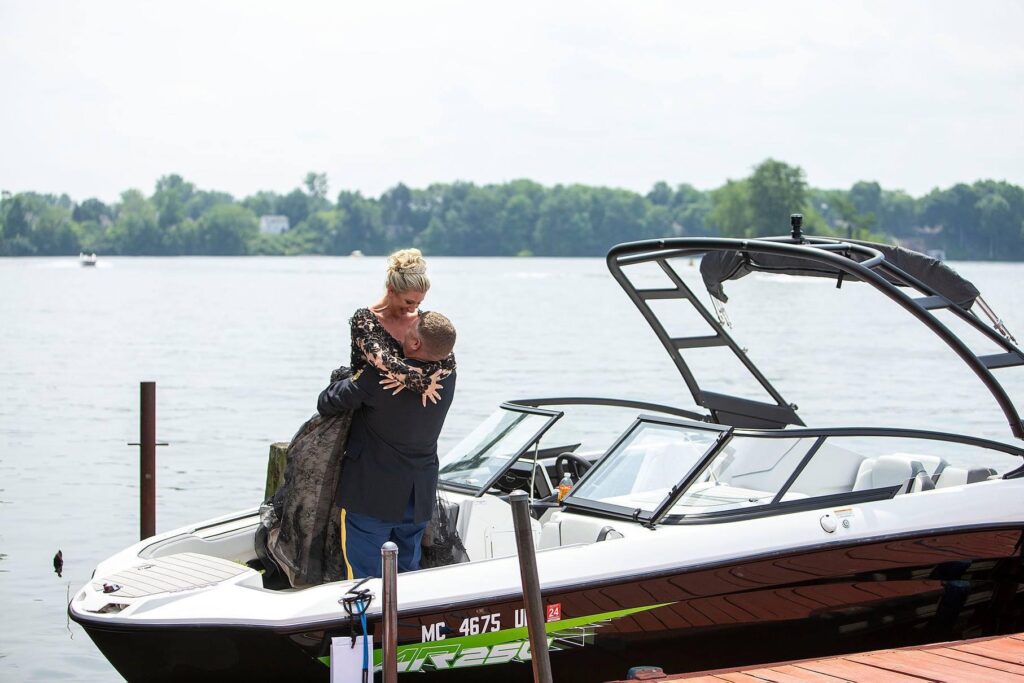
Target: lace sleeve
point(378, 348)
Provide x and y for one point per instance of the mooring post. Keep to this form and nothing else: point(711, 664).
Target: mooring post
point(147, 460)
point(535, 622)
point(389, 612)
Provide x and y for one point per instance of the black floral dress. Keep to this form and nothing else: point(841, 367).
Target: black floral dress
point(374, 345)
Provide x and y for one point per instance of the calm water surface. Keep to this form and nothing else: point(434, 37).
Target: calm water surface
point(240, 348)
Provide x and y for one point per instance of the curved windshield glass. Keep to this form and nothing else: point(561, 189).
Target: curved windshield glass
point(643, 468)
point(489, 448)
point(746, 472)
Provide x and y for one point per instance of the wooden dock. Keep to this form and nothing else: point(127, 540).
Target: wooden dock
point(985, 659)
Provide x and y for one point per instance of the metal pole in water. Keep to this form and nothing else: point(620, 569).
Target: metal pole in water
point(535, 622)
point(389, 612)
point(147, 460)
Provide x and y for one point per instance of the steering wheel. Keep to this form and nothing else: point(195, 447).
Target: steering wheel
point(578, 464)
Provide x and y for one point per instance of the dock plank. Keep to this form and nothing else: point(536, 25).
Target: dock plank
point(1007, 649)
point(851, 670)
point(979, 660)
point(998, 659)
point(788, 673)
point(924, 664)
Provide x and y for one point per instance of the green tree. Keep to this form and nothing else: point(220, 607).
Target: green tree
point(776, 191)
point(730, 210)
point(661, 194)
point(226, 230)
point(361, 222)
point(262, 203)
point(16, 216)
point(170, 200)
point(316, 188)
point(518, 220)
point(690, 209)
point(294, 205)
point(136, 230)
point(202, 201)
point(563, 223)
point(53, 233)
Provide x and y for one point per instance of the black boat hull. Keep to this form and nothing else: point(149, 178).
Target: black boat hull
point(889, 593)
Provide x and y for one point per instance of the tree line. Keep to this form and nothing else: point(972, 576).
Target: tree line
point(983, 220)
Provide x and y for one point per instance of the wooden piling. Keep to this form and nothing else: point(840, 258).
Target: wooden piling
point(275, 468)
point(147, 460)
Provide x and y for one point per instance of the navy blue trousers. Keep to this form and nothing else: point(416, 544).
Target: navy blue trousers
point(362, 536)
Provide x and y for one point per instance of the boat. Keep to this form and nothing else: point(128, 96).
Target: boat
point(719, 536)
point(87, 259)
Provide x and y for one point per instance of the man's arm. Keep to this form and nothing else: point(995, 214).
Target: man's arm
point(346, 394)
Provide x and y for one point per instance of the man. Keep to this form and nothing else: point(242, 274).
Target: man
point(389, 477)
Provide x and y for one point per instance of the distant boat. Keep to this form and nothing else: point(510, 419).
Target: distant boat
point(356, 252)
point(87, 259)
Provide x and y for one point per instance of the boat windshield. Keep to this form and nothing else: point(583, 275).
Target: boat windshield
point(645, 466)
point(487, 450)
point(740, 469)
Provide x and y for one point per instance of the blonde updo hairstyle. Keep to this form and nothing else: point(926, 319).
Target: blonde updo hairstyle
point(407, 271)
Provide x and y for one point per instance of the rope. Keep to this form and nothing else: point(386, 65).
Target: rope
point(356, 601)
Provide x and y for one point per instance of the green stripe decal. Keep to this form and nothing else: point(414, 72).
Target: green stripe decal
point(492, 638)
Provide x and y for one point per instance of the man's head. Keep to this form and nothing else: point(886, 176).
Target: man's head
point(432, 338)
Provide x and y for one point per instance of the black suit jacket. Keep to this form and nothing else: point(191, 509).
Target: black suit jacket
point(392, 445)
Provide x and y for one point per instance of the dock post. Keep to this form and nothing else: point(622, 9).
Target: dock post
point(389, 612)
point(535, 622)
point(147, 460)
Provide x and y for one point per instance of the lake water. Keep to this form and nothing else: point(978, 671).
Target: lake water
point(241, 347)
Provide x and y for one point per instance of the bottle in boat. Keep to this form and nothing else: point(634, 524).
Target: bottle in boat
point(564, 486)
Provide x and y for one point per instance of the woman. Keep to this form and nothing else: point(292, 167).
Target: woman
point(377, 331)
point(303, 542)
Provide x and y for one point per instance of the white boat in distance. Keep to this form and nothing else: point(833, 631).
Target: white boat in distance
point(727, 535)
point(87, 259)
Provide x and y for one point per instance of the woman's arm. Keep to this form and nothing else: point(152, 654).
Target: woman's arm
point(428, 377)
point(381, 350)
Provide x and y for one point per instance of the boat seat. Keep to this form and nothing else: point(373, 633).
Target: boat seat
point(889, 470)
point(564, 530)
point(956, 476)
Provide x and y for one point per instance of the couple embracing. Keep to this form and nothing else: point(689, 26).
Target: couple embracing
point(364, 470)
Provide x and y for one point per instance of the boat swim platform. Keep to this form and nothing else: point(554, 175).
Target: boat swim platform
point(998, 658)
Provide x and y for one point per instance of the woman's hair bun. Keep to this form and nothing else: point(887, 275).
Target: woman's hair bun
point(407, 270)
point(407, 262)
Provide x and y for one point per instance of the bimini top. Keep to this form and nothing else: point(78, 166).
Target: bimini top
point(720, 266)
point(890, 270)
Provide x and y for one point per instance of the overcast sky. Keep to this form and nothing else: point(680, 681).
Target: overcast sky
point(98, 97)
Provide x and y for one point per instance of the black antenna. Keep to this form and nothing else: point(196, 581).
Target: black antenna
point(796, 220)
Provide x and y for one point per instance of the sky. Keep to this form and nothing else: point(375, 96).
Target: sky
point(99, 97)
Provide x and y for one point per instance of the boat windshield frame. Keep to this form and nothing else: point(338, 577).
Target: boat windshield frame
point(663, 513)
point(477, 491)
point(539, 406)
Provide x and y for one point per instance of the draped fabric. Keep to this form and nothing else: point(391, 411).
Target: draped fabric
point(306, 541)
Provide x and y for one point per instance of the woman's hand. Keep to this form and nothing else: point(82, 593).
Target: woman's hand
point(393, 382)
point(432, 391)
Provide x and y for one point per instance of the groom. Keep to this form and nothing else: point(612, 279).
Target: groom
point(389, 479)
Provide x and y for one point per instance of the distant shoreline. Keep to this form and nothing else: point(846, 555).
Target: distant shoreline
point(981, 221)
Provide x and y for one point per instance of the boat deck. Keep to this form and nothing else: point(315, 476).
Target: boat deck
point(985, 659)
